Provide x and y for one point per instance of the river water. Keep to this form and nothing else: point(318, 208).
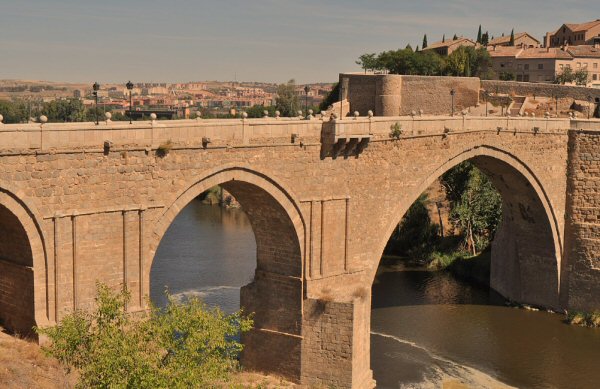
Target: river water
point(429, 330)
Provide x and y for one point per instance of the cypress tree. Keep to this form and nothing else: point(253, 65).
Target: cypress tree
point(455, 37)
point(479, 37)
point(425, 41)
point(444, 38)
point(512, 38)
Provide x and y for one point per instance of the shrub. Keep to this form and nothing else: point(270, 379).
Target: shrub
point(180, 346)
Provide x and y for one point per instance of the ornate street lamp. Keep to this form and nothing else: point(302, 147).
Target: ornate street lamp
point(96, 86)
point(452, 93)
point(129, 86)
point(306, 90)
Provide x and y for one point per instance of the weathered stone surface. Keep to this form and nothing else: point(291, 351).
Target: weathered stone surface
point(73, 214)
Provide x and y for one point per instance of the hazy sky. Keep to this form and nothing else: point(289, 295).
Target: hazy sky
point(257, 40)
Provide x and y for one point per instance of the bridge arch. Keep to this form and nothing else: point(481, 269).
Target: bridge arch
point(275, 294)
point(526, 252)
point(24, 286)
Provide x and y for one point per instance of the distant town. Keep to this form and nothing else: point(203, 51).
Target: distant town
point(168, 100)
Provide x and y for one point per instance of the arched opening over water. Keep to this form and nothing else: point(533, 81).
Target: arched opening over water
point(17, 312)
point(253, 252)
point(430, 327)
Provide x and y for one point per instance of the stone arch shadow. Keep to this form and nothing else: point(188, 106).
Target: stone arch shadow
point(24, 283)
point(527, 248)
point(276, 292)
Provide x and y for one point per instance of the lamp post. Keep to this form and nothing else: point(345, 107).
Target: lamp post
point(486, 95)
point(129, 86)
point(452, 93)
point(306, 90)
point(96, 86)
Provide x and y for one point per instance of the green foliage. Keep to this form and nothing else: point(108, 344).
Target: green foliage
point(395, 131)
point(568, 76)
point(511, 42)
point(258, 111)
point(424, 41)
point(485, 39)
point(367, 61)
point(466, 61)
point(65, 110)
point(331, 98)
point(455, 37)
point(287, 100)
point(476, 206)
point(507, 76)
point(14, 111)
point(416, 236)
point(479, 35)
point(183, 345)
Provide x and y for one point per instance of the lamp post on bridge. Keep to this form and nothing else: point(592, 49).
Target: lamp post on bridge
point(452, 93)
point(486, 96)
point(306, 90)
point(96, 86)
point(129, 86)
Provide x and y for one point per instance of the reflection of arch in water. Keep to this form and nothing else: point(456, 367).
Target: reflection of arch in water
point(275, 294)
point(526, 252)
point(22, 266)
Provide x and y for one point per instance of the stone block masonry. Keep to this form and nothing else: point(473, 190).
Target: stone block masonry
point(82, 203)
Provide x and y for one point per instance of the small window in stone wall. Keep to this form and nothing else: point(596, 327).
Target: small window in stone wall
point(540, 66)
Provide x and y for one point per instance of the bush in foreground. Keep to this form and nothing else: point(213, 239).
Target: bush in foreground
point(180, 346)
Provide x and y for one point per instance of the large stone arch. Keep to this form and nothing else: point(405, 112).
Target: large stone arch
point(25, 291)
point(276, 292)
point(527, 249)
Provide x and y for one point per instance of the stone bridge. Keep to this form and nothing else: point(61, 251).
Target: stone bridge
point(81, 203)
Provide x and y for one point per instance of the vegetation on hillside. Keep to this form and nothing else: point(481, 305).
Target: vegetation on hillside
point(183, 345)
point(475, 212)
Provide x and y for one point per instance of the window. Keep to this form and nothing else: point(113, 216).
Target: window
point(519, 77)
point(526, 77)
point(519, 66)
point(595, 65)
point(578, 65)
point(561, 66)
point(540, 66)
point(595, 77)
point(526, 66)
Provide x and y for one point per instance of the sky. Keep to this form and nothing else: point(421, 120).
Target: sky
point(247, 40)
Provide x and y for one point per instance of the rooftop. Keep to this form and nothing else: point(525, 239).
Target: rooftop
point(448, 43)
point(506, 39)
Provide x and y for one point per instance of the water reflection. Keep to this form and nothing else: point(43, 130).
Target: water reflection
point(209, 252)
point(445, 330)
point(428, 328)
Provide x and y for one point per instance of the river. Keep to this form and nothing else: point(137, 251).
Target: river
point(428, 329)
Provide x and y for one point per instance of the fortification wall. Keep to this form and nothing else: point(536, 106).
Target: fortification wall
point(534, 89)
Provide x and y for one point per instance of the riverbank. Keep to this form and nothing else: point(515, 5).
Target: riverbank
point(23, 365)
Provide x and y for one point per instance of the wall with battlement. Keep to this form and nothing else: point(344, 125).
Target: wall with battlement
point(394, 95)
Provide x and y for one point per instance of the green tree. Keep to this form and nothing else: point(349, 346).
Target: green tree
point(258, 111)
point(424, 45)
point(65, 110)
point(416, 235)
point(479, 36)
point(567, 76)
point(367, 61)
point(485, 39)
point(476, 205)
point(581, 77)
point(181, 346)
point(14, 111)
point(443, 38)
point(455, 37)
point(511, 42)
point(332, 97)
point(287, 100)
